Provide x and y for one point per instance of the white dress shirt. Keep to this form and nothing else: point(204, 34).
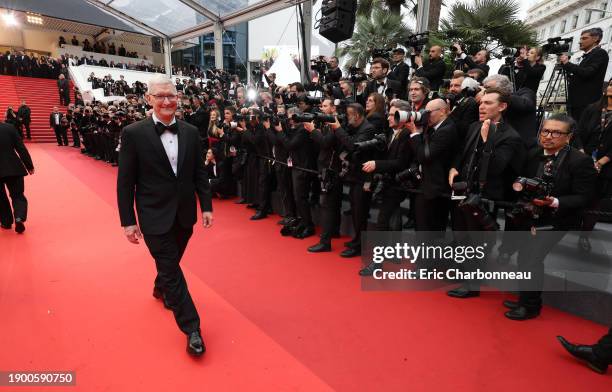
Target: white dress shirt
point(170, 142)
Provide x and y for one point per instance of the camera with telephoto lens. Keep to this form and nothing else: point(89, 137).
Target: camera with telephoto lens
point(319, 118)
point(382, 53)
point(530, 189)
point(379, 142)
point(417, 42)
point(357, 75)
point(557, 45)
point(409, 178)
point(420, 118)
point(326, 177)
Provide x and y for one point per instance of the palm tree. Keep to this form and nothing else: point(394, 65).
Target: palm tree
point(491, 24)
point(382, 29)
point(366, 7)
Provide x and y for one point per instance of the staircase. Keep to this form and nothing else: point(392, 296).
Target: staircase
point(41, 96)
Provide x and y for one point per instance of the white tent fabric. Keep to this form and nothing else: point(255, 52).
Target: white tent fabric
point(285, 69)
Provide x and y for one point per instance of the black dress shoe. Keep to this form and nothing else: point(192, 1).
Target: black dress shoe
point(462, 292)
point(195, 344)
point(586, 354)
point(350, 244)
point(521, 313)
point(305, 232)
point(19, 226)
point(259, 215)
point(369, 269)
point(350, 252)
point(318, 248)
point(511, 304)
point(6, 227)
point(584, 244)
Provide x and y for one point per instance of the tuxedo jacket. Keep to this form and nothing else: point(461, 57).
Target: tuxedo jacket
point(52, 123)
point(14, 157)
point(401, 72)
point(574, 185)
point(146, 176)
point(464, 115)
point(586, 79)
point(399, 154)
point(434, 151)
point(506, 161)
point(434, 72)
point(372, 87)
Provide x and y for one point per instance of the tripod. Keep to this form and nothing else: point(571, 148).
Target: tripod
point(550, 98)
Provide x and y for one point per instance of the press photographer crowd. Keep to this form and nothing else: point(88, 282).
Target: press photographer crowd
point(470, 152)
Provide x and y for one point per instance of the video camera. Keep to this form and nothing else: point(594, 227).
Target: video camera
point(357, 75)
point(384, 53)
point(557, 45)
point(319, 65)
point(417, 42)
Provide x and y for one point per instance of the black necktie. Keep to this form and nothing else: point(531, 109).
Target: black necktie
point(161, 128)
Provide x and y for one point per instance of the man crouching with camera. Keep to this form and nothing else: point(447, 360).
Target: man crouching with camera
point(558, 183)
point(486, 167)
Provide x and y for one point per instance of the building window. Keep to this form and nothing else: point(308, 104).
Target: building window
point(563, 26)
point(587, 18)
point(603, 7)
point(575, 22)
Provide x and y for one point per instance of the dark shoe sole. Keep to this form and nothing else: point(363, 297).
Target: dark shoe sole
point(19, 227)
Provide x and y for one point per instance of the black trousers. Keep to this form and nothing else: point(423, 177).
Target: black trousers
point(167, 250)
point(391, 200)
point(61, 135)
point(75, 137)
point(330, 211)
point(360, 208)
point(26, 124)
point(19, 210)
point(431, 213)
point(531, 257)
point(301, 185)
point(285, 189)
point(603, 348)
point(264, 184)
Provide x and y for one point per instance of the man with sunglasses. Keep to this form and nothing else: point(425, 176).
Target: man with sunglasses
point(572, 177)
point(161, 168)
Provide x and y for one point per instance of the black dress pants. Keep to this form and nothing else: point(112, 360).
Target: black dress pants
point(301, 183)
point(360, 208)
point(330, 202)
point(391, 200)
point(19, 210)
point(603, 348)
point(431, 213)
point(167, 250)
point(285, 189)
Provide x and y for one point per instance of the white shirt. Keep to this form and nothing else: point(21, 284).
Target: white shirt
point(381, 89)
point(170, 142)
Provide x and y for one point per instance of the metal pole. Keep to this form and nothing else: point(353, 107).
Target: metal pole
point(422, 16)
point(218, 33)
point(167, 56)
point(307, 23)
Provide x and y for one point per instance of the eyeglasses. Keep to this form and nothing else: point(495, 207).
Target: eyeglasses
point(554, 134)
point(161, 98)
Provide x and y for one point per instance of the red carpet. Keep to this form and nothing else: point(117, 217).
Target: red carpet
point(41, 96)
point(75, 295)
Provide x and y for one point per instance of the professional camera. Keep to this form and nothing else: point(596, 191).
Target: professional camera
point(409, 178)
point(357, 75)
point(378, 143)
point(384, 53)
point(557, 45)
point(530, 189)
point(417, 42)
point(316, 117)
point(454, 49)
point(420, 118)
point(326, 177)
point(319, 65)
point(512, 52)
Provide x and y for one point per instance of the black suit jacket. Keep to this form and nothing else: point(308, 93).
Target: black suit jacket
point(399, 154)
point(146, 176)
point(24, 113)
point(329, 148)
point(434, 72)
point(506, 162)
point(401, 72)
point(52, 123)
point(63, 86)
point(372, 87)
point(521, 115)
point(347, 138)
point(435, 150)
point(574, 185)
point(586, 79)
point(14, 156)
point(464, 114)
point(299, 145)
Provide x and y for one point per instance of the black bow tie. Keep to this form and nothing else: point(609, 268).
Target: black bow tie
point(161, 128)
point(380, 84)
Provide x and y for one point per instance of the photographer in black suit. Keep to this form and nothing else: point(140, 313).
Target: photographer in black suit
point(381, 83)
point(358, 130)
point(15, 163)
point(464, 111)
point(433, 69)
point(400, 71)
point(587, 77)
point(572, 177)
point(488, 163)
point(161, 167)
point(465, 63)
point(334, 73)
point(25, 117)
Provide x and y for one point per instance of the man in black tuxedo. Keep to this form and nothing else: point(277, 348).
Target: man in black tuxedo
point(435, 148)
point(489, 161)
point(400, 71)
point(200, 119)
point(573, 176)
point(381, 83)
point(434, 69)
point(597, 356)
point(55, 122)
point(478, 61)
point(465, 109)
point(25, 117)
point(15, 163)
point(161, 167)
point(586, 78)
point(64, 90)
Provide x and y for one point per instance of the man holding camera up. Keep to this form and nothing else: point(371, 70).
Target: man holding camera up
point(567, 178)
point(586, 78)
point(328, 164)
point(358, 130)
point(434, 69)
point(258, 137)
point(487, 165)
point(381, 83)
point(464, 108)
point(400, 71)
point(334, 73)
point(466, 63)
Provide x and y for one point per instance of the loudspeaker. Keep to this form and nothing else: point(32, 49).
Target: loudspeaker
point(338, 25)
point(329, 6)
point(156, 46)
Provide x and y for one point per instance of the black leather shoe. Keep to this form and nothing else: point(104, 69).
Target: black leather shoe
point(511, 304)
point(584, 244)
point(195, 344)
point(6, 227)
point(521, 313)
point(259, 215)
point(318, 248)
point(462, 292)
point(305, 232)
point(369, 269)
point(584, 353)
point(349, 244)
point(19, 226)
point(350, 252)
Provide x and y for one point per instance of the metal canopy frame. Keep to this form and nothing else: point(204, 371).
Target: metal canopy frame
point(127, 18)
point(201, 10)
